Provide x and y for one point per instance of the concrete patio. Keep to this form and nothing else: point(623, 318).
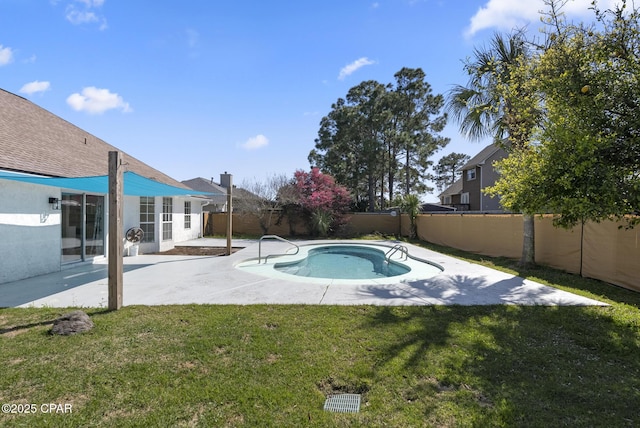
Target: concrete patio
point(169, 280)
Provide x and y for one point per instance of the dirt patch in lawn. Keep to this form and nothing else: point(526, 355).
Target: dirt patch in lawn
point(199, 251)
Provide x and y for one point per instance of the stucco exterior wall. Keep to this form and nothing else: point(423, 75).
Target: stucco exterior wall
point(30, 238)
point(131, 218)
point(179, 233)
point(30, 229)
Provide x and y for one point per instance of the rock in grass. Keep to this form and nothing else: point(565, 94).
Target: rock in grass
point(72, 323)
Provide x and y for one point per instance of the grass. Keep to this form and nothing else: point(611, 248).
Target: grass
point(274, 365)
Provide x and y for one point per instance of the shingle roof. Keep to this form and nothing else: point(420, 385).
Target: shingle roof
point(454, 189)
point(217, 192)
point(481, 157)
point(204, 185)
point(36, 141)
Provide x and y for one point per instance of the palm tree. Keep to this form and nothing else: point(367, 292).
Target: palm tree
point(410, 204)
point(496, 103)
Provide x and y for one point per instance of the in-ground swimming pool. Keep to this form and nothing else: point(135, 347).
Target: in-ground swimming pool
point(343, 262)
point(347, 262)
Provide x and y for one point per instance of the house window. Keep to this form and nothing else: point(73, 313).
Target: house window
point(167, 219)
point(447, 200)
point(148, 218)
point(187, 214)
point(471, 174)
point(464, 198)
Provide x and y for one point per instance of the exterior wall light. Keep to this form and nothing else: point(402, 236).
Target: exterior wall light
point(55, 203)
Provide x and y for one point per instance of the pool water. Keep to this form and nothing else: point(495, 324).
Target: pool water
point(344, 262)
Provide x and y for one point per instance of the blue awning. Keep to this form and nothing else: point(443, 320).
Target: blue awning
point(134, 185)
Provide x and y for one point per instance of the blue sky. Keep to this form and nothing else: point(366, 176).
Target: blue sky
point(196, 88)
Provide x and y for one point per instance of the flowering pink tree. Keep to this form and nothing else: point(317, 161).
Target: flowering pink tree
point(322, 198)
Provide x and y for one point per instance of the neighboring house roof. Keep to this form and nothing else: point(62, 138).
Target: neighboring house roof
point(481, 157)
point(204, 185)
point(239, 193)
point(216, 193)
point(215, 189)
point(454, 189)
point(33, 140)
point(432, 207)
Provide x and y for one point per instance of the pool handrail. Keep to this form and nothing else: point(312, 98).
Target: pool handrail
point(396, 248)
point(279, 238)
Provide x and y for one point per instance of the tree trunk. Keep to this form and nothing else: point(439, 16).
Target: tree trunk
point(528, 242)
point(382, 192)
point(390, 172)
point(371, 193)
point(407, 181)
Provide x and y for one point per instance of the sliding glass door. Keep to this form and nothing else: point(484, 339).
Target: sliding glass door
point(71, 207)
point(82, 226)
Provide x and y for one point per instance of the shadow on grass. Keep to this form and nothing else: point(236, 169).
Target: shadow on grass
point(518, 365)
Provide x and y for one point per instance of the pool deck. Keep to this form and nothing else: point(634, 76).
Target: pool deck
point(168, 280)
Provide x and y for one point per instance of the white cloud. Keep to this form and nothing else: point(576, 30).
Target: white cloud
point(78, 17)
point(92, 3)
point(86, 15)
point(508, 14)
point(255, 143)
point(96, 101)
point(355, 65)
point(36, 86)
point(6, 55)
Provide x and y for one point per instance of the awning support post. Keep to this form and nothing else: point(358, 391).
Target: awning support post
point(116, 192)
point(229, 213)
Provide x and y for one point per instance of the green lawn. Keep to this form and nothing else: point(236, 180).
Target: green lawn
point(445, 366)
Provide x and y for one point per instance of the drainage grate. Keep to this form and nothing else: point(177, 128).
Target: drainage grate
point(344, 403)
